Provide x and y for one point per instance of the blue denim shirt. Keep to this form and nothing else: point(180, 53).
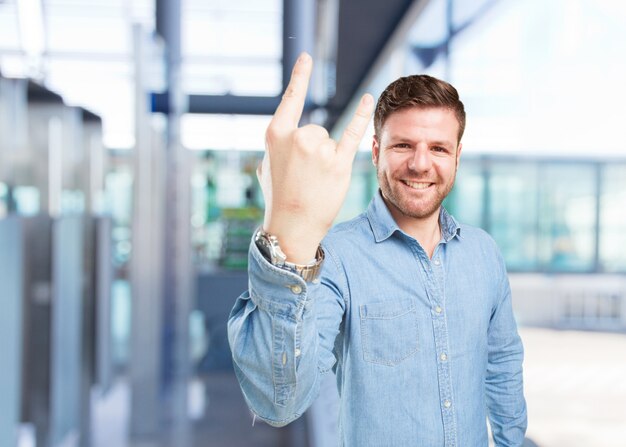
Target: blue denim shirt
point(424, 350)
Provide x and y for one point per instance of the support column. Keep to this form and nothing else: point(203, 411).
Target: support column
point(298, 32)
point(146, 261)
point(177, 267)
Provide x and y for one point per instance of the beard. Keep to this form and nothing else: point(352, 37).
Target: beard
point(413, 205)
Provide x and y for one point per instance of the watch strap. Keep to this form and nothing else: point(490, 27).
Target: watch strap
point(268, 245)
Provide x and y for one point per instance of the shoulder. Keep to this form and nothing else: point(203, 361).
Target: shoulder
point(479, 242)
point(350, 230)
point(346, 241)
point(475, 234)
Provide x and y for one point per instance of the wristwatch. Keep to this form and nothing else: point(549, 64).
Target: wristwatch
point(268, 246)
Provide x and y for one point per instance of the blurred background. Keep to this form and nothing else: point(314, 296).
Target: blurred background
point(129, 136)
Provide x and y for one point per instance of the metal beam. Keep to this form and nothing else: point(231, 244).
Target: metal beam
point(225, 104)
point(298, 36)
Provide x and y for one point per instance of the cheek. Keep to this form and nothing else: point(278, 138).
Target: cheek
point(446, 169)
point(392, 162)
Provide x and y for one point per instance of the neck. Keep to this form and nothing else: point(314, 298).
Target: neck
point(424, 230)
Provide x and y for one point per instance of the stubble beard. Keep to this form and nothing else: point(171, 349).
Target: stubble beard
point(407, 205)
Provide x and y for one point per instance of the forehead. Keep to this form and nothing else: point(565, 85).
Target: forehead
point(433, 122)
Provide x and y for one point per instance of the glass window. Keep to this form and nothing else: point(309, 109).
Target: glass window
point(512, 212)
point(613, 219)
point(363, 186)
point(4, 200)
point(27, 200)
point(232, 47)
point(224, 132)
point(567, 216)
point(466, 200)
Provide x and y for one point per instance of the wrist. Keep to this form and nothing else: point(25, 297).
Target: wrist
point(269, 246)
point(298, 242)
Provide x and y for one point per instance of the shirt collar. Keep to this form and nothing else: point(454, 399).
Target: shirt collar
point(383, 224)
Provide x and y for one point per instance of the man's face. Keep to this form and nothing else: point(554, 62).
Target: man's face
point(416, 157)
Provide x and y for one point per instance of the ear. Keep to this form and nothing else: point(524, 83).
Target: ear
point(375, 150)
point(458, 154)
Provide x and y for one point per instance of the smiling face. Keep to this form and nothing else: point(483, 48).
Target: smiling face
point(416, 155)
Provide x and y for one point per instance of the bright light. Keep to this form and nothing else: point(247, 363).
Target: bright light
point(30, 16)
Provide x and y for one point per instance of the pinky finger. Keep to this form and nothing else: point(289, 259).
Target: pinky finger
point(353, 134)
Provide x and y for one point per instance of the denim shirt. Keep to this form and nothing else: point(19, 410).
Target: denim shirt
point(424, 350)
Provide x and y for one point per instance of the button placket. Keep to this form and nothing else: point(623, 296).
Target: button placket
point(434, 281)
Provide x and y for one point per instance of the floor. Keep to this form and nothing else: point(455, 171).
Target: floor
point(227, 421)
point(224, 420)
point(575, 384)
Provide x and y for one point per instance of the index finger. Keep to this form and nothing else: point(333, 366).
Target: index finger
point(289, 110)
point(353, 134)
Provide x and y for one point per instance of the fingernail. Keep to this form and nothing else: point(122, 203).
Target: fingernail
point(304, 57)
point(368, 99)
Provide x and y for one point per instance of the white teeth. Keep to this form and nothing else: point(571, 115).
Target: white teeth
point(416, 185)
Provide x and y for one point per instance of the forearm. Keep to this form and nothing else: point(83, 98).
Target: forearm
point(275, 342)
point(504, 379)
point(282, 331)
point(505, 395)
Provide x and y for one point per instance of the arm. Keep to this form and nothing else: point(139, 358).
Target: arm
point(281, 341)
point(504, 382)
point(282, 331)
point(305, 174)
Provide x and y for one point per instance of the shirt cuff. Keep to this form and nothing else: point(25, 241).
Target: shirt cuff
point(280, 292)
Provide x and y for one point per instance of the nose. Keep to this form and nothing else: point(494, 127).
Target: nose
point(420, 161)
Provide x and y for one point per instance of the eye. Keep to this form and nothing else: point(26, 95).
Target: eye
point(439, 149)
point(402, 146)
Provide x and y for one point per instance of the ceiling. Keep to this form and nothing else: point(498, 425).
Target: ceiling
point(88, 53)
point(365, 26)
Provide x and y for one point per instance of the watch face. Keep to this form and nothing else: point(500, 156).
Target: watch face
point(268, 245)
point(264, 248)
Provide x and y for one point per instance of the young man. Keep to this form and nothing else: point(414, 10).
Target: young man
point(411, 310)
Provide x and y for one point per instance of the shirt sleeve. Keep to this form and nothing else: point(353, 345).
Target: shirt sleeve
point(504, 382)
point(281, 334)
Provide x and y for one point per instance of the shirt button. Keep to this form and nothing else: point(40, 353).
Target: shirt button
point(443, 357)
point(447, 403)
point(437, 261)
point(297, 352)
point(296, 288)
point(438, 309)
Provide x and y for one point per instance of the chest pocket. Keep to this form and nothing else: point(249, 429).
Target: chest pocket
point(388, 331)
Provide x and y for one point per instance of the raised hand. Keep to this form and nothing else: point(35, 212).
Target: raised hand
point(305, 174)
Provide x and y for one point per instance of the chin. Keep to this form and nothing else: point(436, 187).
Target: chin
point(417, 211)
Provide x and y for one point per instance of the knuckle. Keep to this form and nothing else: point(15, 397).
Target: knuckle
point(270, 136)
point(271, 130)
point(315, 131)
point(301, 138)
point(272, 133)
point(362, 113)
point(290, 92)
point(352, 133)
point(328, 146)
